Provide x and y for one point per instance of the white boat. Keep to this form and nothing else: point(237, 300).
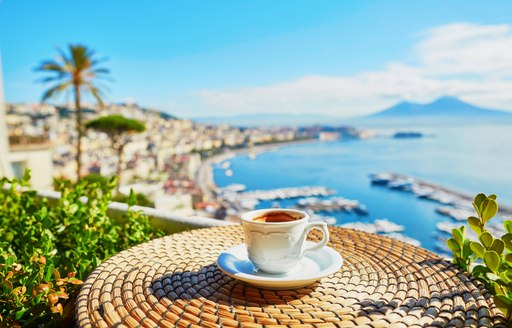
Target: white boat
point(381, 178)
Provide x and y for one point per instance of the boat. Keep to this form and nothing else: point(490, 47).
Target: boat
point(381, 178)
point(401, 184)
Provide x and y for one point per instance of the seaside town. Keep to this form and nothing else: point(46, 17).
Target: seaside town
point(171, 165)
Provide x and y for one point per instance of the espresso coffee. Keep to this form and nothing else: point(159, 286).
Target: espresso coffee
point(276, 217)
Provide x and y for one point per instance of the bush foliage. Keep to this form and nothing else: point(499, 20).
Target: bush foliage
point(490, 257)
point(47, 250)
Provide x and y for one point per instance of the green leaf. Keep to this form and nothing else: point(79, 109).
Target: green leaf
point(466, 249)
point(504, 298)
point(492, 196)
point(19, 314)
point(453, 245)
point(507, 239)
point(475, 224)
point(49, 272)
point(504, 277)
point(457, 234)
point(478, 249)
point(132, 199)
point(486, 239)
point(489, 209)
point(479, 199)
point(479, 270)
point(508, 225)
point(43, 212)
point(498, 246)
point(493, 276)
point(477, 209)
point(503, 303)
point(47, 223)
point(508, 257)
point(492, 260)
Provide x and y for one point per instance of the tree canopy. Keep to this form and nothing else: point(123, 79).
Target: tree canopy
point(115, 124)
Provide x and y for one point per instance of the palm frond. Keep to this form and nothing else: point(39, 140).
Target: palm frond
point(95, 92)
point(58, 77)
point(100, 71)
point(64, 58)
point(55, 91)
point(97, 61)
point(51, 66)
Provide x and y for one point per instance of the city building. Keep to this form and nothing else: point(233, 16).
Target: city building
point(21, 152)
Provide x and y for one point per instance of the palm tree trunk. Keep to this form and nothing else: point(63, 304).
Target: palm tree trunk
point(120, 161)
point(79, 129)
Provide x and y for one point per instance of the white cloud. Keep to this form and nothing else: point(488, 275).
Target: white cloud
point(473, 62)
point(468, 49)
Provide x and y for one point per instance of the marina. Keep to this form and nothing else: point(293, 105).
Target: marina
point(240, 200)
point(458, 204)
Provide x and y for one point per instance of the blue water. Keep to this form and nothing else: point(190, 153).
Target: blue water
point(471, 159)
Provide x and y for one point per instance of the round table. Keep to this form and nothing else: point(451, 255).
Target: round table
point(174, 282)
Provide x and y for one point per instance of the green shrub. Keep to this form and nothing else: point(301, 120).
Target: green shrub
point(140, 199)
point(47, 250)
point(489, 258)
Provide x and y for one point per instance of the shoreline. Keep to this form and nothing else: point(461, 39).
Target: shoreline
point(205, 179)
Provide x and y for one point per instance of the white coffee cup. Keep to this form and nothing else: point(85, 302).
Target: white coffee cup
point(276, 247)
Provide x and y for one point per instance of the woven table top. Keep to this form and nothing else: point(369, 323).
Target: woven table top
point(174, 281)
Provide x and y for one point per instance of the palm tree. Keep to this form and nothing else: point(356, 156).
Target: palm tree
point(76, 71)
point(117, 128)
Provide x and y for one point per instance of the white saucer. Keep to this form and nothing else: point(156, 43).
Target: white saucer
point(313, 266)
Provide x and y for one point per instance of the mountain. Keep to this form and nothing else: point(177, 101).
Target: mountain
point(442, 107)
point(269, 119)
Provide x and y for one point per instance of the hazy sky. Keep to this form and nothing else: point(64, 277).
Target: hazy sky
point(212, 58)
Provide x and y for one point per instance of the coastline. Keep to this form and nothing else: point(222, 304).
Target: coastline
point(205, 179)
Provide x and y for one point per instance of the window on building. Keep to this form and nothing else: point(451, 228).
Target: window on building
point(19, 168)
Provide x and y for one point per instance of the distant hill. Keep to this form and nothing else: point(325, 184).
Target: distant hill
point(442, 107)
point(269, 119)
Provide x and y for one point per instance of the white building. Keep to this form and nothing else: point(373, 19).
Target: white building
point(24, 153)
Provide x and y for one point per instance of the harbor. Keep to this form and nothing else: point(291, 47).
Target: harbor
point(410, 202)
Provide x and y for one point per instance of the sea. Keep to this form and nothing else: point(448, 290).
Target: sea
point(470, 159)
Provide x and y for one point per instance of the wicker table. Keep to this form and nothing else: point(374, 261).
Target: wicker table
point(174, 281)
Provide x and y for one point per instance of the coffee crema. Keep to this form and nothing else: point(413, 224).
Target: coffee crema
point(276, 217)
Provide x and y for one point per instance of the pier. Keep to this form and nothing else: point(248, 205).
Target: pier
point(333, 204)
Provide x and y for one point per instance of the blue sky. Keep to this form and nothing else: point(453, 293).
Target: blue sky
point(213, 58)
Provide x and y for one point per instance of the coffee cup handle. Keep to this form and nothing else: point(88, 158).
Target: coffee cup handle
point(319, 226)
